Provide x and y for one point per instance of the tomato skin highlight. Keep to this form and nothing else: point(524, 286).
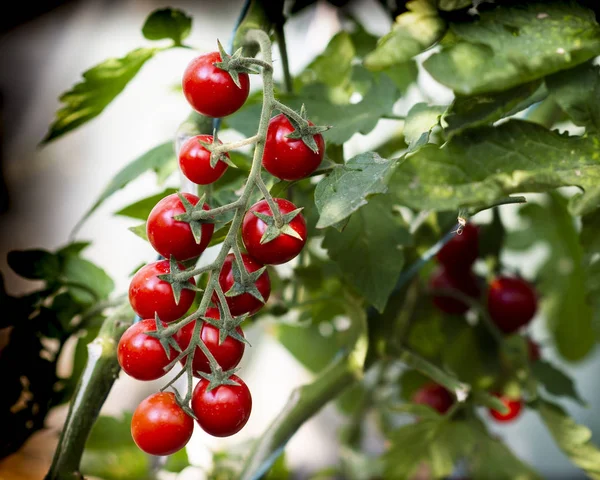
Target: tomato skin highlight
point(142, 356)
point(173, 237)
point(210, 90)
point(228, 354)
point(159, 426)
point(283, 248)
point(435, 396)
point(514, 409)
point(466, 283)
point(194, 161)
point(290, 158)
point(150, 296)
point(223, 411)
point(461, 251)
point(511, 303)
point(244, 303)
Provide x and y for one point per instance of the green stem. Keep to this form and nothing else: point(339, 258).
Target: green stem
point(287, 78)
point(272, 205)
point(101, 371)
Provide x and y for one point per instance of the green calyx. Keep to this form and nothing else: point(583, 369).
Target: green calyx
point(218, 377)
point(177, 280)
point(246, 283)
point(166, 341)
point(273, 230)
point(195, 215)
point(227, 325)
point(234, 64)
point(304, 130)
point(215, 154)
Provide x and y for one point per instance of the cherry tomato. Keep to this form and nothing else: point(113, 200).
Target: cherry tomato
point(194, 161)
point(142, 356)
point(210, 90)
point(227, 354)
point(434, 395)
point(149, 295)
point(173, 237)
point(159, 426)
point(465, 283)
point(290, 158)
point(514, 409)
point(533, 350)
point(511, 303)
point(461, 251)
point(244, 303)
point(281, 249)
point(224, 410)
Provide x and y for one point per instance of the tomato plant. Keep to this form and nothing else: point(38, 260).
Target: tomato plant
point(514, 407)
point(511, 302)
point(195, 164)
point(435, 396)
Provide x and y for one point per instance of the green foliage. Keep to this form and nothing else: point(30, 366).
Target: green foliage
point(515, 45)
point(141, 209)
point(421, 119)
point(555, 381)
point(168, 23)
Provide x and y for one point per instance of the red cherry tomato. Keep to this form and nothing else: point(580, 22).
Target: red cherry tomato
point(227, 354)
point(511, 303)
point(465, 283)
point(173, 237)
point(284, 247)
point(224, 410)
point(149, 295)
point(244, 303)
point(210, 90)
point(290, 158)
point(461, 251)
point(514, 409)
point(142, 356)
point(159, 426)
point(194, 161)
point(434, 395)
point(533, 350)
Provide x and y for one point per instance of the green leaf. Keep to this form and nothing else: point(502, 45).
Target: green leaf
point(514, 45)
point(140, 231)
point(577, 92)
point(562, 280)
point(573, 439)
point(413, 32)
point(476, 110)
point(80, 271)
point(153, 159)
point(492, 236)
point(100, 85)
point(111, 454)
point(369, 249)
point(449, 5)
point(421, 119)
point(35, 264)
point(347, 187)
point(177, 461)
point(167, 23)
point(555, 381)
point(482, 166)
point(141, 209)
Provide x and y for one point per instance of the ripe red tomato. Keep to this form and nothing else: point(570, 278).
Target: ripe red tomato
point(194, 161)
point(142, 356)
point(290, 158)
point(461, 251)
point(465, 283)
point(227, 354)
point(511, 303)
point(533, 350)
point(159, 426)
point(149, 295)
point(210, 90)
point(224, 410)
point(173, 237)
point(283, 248)
point(434, 395)
point(244, 303)
point(514, 409)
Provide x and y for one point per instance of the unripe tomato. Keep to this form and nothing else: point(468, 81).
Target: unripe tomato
point(511, 303)
point(465, 283)
point(434, 395)
point(194, 161)
point(210, 90)
point(461, 251)
point(174, 237)
point(150, 296)
point(281, 249)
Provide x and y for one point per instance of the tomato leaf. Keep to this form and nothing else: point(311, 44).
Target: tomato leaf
point(555, 381)
point(100, 85)
point(421, 119)
point(369, 249)
point(77, 270)
point(412, 32)
point(177, 461)
point(449, 5)
point(573, 439)
point(167, 23)
point(141, 209)
point(514, 45)
point(140, 231)
point(347, 187)
point(482, 166)
point(35, 264)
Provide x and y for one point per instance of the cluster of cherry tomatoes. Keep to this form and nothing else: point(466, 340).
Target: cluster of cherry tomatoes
point(160, 426)
point(511, 303)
